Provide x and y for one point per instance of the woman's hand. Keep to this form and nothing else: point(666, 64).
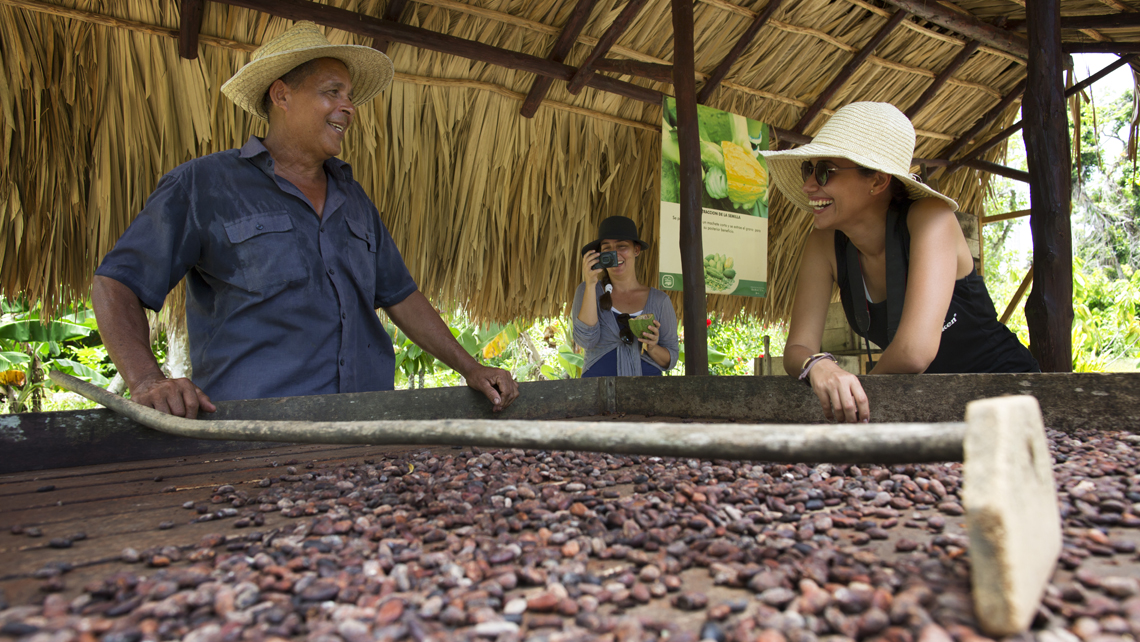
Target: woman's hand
point(840, 393)
point(651, 335)
point(589, 275)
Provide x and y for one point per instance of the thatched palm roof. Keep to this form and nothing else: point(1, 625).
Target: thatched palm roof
point(489, 208)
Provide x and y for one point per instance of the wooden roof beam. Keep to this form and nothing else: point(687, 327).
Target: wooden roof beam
point(188, 28)
point(954, 65)
point(585, 72)
point(570, 32)
point(1118, 48)
point(742, 43)
point(371, 26)
point(626, 67)
point(845, 74)
point(967, 25)
point(393, 12)
point(1016, 127)
point(1125, 20)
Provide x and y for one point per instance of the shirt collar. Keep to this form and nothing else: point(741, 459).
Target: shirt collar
point(255, 150)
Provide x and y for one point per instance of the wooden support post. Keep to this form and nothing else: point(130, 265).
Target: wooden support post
point(688, 139)
point(621, 23)
point(570, 32)
point(392, 12)
point(737, 50)
point(849, 69)
point(967, 25)
point(374, 27)
point(188, 28)
point(954, 65)
point(1049, 310)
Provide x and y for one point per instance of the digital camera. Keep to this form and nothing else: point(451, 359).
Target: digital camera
point(607, 260)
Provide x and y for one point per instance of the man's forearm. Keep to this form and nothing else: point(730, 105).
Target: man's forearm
point(416, 317)
point(124, 330)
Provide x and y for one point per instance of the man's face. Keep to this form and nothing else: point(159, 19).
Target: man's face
point(319, 110)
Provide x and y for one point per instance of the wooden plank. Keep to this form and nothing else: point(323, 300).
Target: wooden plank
point(1004, 217)
point(189, 26)
point(1016, 299)
point(566, 40)
point(585, 73)
point(374, 27)
point(692, 252)
point(1124, 20)
point(651, 70)
point(737, 50)
point(1049, 310)
point(848, 70)
point(392, 13)
point(943, 76)
point(967, 25)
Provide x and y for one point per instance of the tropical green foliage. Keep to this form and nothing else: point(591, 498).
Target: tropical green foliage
point(31, 344)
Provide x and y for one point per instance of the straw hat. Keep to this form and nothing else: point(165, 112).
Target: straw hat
point(370, 70)
point(874, 135)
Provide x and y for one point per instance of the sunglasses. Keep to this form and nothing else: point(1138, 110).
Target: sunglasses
point(624, 331)
point(821, 170)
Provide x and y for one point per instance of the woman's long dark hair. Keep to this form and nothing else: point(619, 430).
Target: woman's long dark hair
point(606, 301)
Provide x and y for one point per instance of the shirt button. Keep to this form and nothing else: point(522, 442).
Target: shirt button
point(332, 271)
point(260, 226)
point(342, 362)
point(343, 315)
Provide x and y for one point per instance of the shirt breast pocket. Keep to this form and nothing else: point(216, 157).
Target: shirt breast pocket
point(268, 250)
point(360, 254)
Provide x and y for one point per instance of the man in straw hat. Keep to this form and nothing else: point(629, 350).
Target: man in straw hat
point(894, 247)
point(285, 257)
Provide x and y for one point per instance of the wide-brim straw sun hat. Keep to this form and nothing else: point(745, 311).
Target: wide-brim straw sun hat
point(369, 69)
point(874, 135)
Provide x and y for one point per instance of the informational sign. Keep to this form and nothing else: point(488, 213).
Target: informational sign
point(734, 201)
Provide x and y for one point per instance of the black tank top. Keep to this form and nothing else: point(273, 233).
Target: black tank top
point(973, 340)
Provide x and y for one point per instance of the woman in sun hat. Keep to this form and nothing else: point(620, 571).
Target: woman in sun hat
point(894, 247)
point(608, 298)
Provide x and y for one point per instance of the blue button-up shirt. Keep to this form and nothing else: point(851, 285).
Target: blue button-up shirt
point(280, 302)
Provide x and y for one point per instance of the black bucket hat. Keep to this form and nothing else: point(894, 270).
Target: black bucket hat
point(618, 228)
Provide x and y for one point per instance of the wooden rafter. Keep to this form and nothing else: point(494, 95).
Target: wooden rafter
point(1128, 19)
point(189, 26)
point(967, 25)
point(1016, 127)
point(393, 12)
point(570, 32)
point(650, 70)
point(849, 69)
point(944, 76)
point(374, 27)
point(737, 50)
point(1118, 48)
point(585, 71)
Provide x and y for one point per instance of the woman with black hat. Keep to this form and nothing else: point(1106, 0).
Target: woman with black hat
point(601, 320)
point(894, 247)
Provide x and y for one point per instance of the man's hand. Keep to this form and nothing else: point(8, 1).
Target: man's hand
point(498, 384)
point(179, 397)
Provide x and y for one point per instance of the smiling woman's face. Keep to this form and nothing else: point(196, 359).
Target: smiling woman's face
point(627, 251)
point(845, 194)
